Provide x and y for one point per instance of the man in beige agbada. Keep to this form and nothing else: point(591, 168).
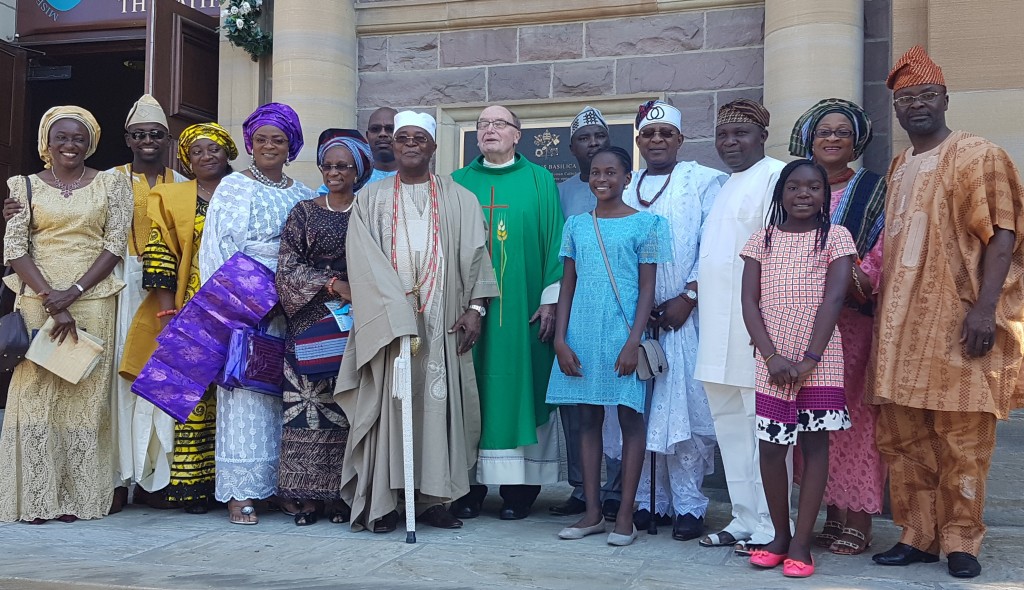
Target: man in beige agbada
point(949, 325)
point(418, 266)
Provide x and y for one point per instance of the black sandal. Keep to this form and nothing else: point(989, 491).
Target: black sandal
point(341, 512)
point(305, 518)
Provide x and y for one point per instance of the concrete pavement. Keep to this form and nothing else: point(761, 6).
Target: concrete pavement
point(143, 548)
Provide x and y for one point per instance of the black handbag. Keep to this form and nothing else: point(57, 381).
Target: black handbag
point(14, 338)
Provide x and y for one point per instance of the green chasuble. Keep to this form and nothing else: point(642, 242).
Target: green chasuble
point(521, 207)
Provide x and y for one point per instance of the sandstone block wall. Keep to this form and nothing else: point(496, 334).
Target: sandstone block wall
point(699, 59)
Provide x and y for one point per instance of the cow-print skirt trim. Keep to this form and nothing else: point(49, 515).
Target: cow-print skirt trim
point(806, 421)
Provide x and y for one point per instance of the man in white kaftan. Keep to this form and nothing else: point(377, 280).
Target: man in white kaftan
point(679, 425)
point(725, 356)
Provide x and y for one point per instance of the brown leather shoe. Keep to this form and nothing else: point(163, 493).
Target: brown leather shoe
point(438, 517)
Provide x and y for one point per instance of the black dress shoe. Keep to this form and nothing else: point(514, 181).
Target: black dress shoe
point(509, 512)
point(610, 509)
point(963, 565)
point(687, 527)
point(438, 517)
point(642, 520)
point(571, 506)
point(387, 523)
point(903, 554)
point(465, 509)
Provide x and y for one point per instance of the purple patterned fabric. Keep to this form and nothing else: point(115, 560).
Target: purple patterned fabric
point(191, 350)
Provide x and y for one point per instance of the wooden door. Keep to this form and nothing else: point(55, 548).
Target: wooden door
point(182, 56)
point(13, 69)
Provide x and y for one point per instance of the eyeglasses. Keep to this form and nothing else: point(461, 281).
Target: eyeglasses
point(327, 168)
point(498, 124)
point(648, 133)
point(841, 133)
point(154, 134)
point(377, 128)
point(906, 101)
point(417, 139)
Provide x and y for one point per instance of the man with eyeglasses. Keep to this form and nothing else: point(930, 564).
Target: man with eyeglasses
point(950, 328)
point(679, 426)
point(519, 440)
point(418, 270)
point(588, 133)
point(380, 131)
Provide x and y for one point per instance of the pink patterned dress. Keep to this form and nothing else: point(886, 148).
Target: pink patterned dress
point(793, 275)
point(856, 473)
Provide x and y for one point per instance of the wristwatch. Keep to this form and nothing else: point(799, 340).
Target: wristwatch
point(479, 309)
point(690, 295)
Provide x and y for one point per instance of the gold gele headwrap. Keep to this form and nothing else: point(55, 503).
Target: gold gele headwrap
point(211, 131)
point(66, 112)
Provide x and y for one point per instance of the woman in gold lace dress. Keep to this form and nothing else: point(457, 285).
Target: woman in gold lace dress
point(56, 443)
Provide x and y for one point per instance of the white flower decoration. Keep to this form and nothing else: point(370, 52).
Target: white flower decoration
point(234, 10)
point(239, 24)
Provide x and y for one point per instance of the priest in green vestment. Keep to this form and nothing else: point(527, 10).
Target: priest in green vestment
point(519, 440)
point(417, 267)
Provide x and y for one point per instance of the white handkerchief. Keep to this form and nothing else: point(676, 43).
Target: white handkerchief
point(71, 361)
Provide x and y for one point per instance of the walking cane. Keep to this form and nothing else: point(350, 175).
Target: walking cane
point(652, 528)
point(401, 388)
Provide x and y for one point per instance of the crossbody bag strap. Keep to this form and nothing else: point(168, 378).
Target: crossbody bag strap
point(611, 276)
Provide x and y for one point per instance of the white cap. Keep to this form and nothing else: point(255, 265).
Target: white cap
point(414, 119)
point(662, 112)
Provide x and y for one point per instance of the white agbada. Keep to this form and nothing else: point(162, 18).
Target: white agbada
point(725, 354)
point(143, 434)
point(679, 424)
point(679, 407)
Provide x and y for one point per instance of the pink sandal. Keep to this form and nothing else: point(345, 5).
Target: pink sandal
point(797, 569)
point(767, 559)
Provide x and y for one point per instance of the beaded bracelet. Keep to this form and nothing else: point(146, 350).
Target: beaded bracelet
point(814, 357)
point(330, 286)
point(165, 313)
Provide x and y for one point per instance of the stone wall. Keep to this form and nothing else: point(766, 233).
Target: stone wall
point(698, 59)
point(877, 98)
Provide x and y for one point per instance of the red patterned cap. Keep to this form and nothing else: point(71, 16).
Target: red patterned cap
point(914, 68)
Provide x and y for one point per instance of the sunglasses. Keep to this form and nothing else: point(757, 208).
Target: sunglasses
point(155, 134)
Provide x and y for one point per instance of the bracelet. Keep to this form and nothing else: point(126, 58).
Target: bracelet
point(330, 286)
point(814, 357)
point(165, 313)
point(770, 357)
point(81, 289)
point(856, 282)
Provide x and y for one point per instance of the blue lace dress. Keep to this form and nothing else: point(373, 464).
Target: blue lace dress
point(597, 331)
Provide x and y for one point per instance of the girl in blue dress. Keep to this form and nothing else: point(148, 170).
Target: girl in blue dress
point(596, 353)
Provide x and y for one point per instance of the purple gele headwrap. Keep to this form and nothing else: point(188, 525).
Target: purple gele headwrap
point(279, 115)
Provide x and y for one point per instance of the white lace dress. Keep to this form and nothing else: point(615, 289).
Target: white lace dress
point(247, 216)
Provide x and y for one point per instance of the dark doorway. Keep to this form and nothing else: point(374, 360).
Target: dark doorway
point(104, 80)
